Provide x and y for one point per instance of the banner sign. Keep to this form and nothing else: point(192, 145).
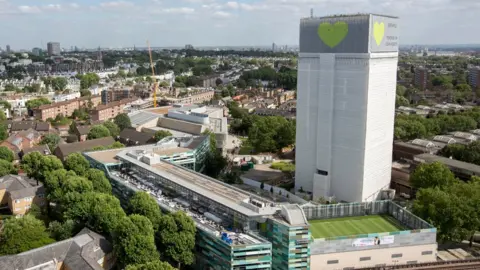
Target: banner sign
point(373, 241)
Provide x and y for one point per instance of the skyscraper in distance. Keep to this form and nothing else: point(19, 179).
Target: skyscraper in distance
point(53, 48)
point(346, 103)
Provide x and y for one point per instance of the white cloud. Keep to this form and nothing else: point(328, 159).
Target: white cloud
point(117, 4)
point(232, 5)
point(181, 10)
point(52, 7)
point(222, 14)
point(29, 9)
point(74, 5)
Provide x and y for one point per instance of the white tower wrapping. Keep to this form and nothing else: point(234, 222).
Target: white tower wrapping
point(346, 103)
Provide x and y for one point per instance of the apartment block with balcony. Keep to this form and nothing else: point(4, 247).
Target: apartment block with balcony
point(19, 193)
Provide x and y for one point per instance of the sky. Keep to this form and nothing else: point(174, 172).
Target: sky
point(25, 24)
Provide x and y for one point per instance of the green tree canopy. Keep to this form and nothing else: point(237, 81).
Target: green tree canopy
point(54, 181)
point(59, 83)
point(99, 131)
point(143, 204)
point(112, 128)
point(133, 241)
point(6, 154)
point(99, 181)
point(22, 234)
point(162, 134)
point(176, 236)
point(88, 80)
point(98, 211)
point(123, 121)
point(37, 165)
point(3, 132)
point(77, 163)
point(432, 175)
point(61, 231)
point(34, 103)
point(153, 265)
point(3, 117)
point(51, 140)
point(6, 167)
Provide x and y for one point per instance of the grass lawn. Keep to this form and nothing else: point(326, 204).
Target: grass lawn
point(245, 148)
point(346, 226)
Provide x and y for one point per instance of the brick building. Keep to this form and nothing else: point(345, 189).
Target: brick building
point(66, 108)
point(19, 193)
point(110, 110)
point(420, 79)
point(111, 95)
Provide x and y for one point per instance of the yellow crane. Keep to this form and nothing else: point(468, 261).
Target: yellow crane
point(155, 86)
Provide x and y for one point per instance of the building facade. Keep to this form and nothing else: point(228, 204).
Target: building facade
point(111, 95)
point(19, 193)
point(65, 108)
point(53, 48)
point(474, 77)
point(346, 105)
point(110, 110)
point(421, 78)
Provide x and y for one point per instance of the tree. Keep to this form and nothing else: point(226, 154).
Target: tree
point(262, 185)
point(34, 103)
point(116, 145)
point(85, 93)
point(153, 265)
point(242, 84)
point(122, 121)
point(6, 154)
point(51, 140)
point(6, 104)
point(99, 181)
point(271, 189)
point(77, 163)
point(218, 81)
point(37, 165)
point(3, 117)
point(59, 83)
point(88, 80)
point(22, 234)
point(176, 236)
point(99, 131)
point(113, 128)
point(98, 211)
point(143, 204)
point(159, 135)
point(3, 132)
point(61, 231)
point(133, 241)
point(432, 175)
point(54, 181)
point(6, 167)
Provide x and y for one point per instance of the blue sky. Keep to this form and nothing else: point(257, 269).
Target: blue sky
point(88, 23)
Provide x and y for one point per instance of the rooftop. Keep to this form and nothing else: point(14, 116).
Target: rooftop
point(349, 15)
point(348, 226)
point(468, 167)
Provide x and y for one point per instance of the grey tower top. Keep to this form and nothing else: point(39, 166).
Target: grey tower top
point(359, 33)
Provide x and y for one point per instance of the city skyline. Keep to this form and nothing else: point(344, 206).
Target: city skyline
point(176, 23)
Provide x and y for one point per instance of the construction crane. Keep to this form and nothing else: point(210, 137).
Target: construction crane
point(155, 86)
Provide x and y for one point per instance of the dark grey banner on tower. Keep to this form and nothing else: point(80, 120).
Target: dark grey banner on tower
point(349, 34)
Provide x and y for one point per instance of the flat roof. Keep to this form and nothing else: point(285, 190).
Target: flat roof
point(217, 191)
point(170, 151)
point(429, 158)
point(108, 156)
point(356, 225)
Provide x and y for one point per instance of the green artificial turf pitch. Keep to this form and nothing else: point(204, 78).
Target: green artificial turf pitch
point(345, 226)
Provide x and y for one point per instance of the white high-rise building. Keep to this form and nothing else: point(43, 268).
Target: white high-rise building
point(345, 108)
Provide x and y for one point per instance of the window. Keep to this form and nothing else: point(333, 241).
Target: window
point(412, 262)
point(428, 252)
point(18, 201)
point(322, 172)
point(398, 255)
point(362, 259)
point(332, 262)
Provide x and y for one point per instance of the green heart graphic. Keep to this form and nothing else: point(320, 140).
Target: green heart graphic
point(332, 35)
point(378, 32)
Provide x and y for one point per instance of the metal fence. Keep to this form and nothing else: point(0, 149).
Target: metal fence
point(404, 216)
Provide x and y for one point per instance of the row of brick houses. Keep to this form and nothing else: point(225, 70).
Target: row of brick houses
point(66, 108)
